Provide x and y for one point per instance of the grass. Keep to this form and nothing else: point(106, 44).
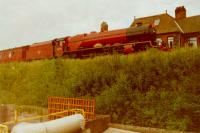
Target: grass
point(153, 88)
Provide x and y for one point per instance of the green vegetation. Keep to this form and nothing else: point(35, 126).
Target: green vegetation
point(156, 89)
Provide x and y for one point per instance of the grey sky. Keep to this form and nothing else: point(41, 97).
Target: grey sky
point(24, 22)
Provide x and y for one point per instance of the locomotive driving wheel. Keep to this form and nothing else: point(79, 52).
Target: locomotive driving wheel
point(71, 55)
point(107, 50)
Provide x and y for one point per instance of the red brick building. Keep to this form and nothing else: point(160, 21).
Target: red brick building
point(174, 32)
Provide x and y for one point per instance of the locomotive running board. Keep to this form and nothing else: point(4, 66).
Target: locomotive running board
point(102, 50)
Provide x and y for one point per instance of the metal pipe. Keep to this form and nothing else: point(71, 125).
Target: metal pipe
point(68, 124)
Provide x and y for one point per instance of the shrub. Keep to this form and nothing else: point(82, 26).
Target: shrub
point(153, 88)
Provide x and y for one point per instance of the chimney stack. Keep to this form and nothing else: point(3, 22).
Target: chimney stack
point(104, 26)
point(180, 12)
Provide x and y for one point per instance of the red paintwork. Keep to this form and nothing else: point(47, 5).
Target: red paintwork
point(164, 48)
point(89, 40)
point(108, 37)
point(74, 42)
point(128, 49)
point(15, 54)
point(43, 50)
point(79, 44)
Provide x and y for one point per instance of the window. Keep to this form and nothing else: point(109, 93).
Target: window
point(170, 42)
point(159, 41)
point(192, 42)
point(157, 22)
point(138, 24)
point(61, 43)
point(10, 54)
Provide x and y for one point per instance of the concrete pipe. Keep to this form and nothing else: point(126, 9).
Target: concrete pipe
point(68, 124)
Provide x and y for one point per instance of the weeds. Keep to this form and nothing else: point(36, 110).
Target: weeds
point(153, 88)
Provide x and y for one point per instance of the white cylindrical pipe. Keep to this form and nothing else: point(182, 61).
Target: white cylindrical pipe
point(29, 128)
point(68, 124)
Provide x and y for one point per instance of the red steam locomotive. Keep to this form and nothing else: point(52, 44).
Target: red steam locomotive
point(85, 45)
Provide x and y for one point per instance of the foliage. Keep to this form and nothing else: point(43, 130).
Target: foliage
point(156, 89)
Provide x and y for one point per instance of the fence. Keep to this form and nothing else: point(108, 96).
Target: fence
point(58, 104)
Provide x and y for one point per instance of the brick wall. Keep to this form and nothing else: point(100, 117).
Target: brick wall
point(176, 36)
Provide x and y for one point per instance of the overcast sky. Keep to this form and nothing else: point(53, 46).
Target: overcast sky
point(24, 22)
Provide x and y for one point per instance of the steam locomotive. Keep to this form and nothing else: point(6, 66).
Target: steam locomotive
point(122, 41)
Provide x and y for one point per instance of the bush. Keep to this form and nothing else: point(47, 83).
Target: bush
point(153, 88)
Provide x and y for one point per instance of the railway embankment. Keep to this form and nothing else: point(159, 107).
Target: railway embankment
point(150, 89)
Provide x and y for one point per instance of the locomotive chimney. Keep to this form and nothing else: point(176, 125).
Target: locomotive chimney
point(180, 12)
point(104, 26)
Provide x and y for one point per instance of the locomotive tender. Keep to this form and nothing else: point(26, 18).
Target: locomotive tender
point(123, 41)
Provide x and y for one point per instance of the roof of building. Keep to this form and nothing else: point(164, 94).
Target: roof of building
point(164, 23)
point(190, 24)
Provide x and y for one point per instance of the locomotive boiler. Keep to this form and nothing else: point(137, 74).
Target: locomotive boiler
point(122, 41)
point(107, 42)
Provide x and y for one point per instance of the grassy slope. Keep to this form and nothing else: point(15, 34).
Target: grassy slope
point(154, 88)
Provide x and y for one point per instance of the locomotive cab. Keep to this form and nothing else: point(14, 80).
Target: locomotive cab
point(142, 37)
point(58, 47)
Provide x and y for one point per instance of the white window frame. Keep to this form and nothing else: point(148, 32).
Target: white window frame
point(10, 54)
point(159, 41)
point(170, 41)
point(156, 22)
point(192, 41)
